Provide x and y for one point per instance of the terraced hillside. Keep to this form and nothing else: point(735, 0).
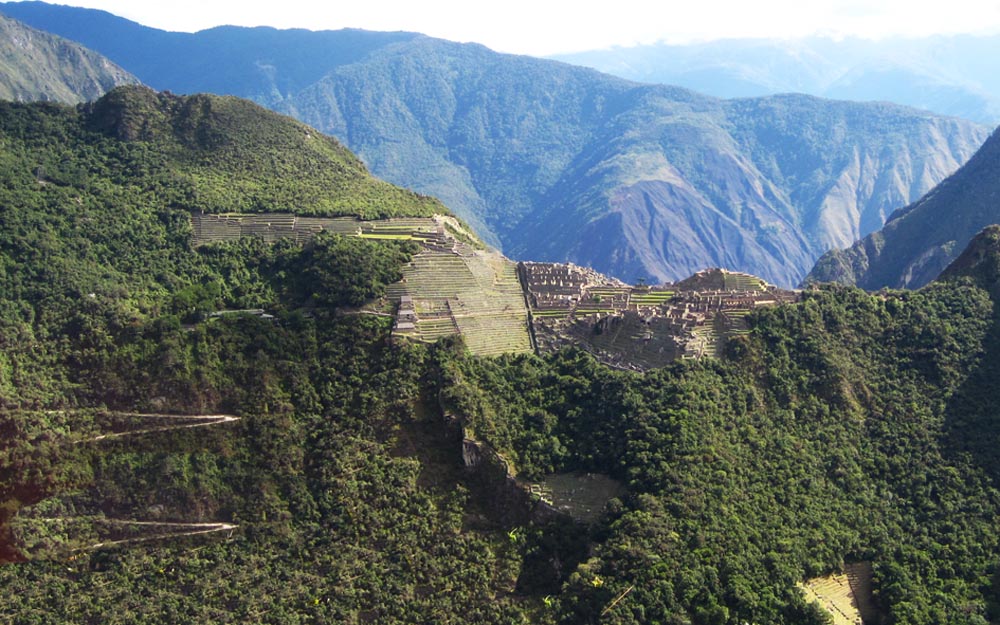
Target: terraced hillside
point(464, 291)
point(273, 226)
point(450, 287)
point(846, 596)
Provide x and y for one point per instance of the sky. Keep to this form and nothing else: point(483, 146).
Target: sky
point(545, 27)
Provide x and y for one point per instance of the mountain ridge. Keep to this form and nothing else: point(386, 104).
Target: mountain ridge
point(921, 239)
point(942, 73)
point(553, 162)
point(645, 131)
point(196, 62)
point(40, 66)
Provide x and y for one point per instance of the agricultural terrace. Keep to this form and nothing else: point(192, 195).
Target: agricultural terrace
point(463, 291)
point(450, 287)
point(273, 226)
point(846, 596)
point(642, 327)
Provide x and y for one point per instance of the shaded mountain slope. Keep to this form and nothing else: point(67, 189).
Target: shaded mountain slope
point(920, 240)
point(35, 65)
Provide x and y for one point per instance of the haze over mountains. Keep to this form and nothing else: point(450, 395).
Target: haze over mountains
point(553, 162)
point(952, 75)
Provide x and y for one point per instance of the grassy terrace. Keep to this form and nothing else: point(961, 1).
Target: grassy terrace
point(433, 329)
point(273, 226)
point(386, 237)
point(743, 282)
point(475, 294)
point(847, 596)
point(650, 298)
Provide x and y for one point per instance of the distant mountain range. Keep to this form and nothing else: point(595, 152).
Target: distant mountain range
point(951, 75)
point(554, 162)
point(920, 240)
point(36, 65)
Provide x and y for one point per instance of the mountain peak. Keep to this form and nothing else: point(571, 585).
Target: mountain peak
point(265, 161)
point(130, 113)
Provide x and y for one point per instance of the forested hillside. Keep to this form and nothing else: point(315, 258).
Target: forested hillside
point(552, 162)
point(850, 427)
point(97, 202)
point(847, 428)
point(105, 312)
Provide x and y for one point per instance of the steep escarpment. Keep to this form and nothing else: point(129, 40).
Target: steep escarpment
point(921, 239)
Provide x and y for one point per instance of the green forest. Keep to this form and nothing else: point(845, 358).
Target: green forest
point(849, 427)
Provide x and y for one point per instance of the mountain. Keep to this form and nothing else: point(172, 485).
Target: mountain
point(920, 240)
point(39, 66)
point(945, 74)
point(262, 64)
point(636, 181)
point(553, 162)
point(980, 260)
point(181, 423)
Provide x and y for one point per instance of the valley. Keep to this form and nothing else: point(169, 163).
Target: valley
point(552, 162)
point(228, 352)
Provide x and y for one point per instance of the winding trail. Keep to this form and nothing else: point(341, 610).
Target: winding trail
point(201, 421)
point(179, 529)
point(193, 530)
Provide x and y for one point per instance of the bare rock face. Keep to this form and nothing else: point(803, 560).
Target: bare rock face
point(921, 240)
